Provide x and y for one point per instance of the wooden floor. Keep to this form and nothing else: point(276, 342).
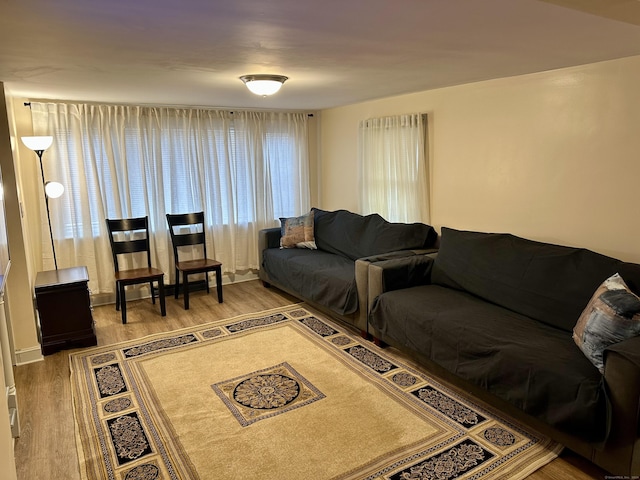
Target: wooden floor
point(46, 449)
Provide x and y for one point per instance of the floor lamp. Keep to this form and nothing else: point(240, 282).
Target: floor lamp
point(51, 189)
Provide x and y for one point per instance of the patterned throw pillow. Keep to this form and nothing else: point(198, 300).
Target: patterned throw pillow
point(297, 232)
point(611, 316)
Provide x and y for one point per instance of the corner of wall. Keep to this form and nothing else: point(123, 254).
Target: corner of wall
point(19, 294)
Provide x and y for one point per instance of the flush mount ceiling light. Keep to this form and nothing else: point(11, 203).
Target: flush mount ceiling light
point(263, 84)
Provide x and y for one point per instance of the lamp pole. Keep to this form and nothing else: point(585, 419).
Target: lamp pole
point(46, 201)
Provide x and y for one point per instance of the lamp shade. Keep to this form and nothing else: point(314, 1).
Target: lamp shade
point(38, 143)
point(264, 84)
point(53, 189)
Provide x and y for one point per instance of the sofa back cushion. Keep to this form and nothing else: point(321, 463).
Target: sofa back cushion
point(355, 236)
point(549, 283)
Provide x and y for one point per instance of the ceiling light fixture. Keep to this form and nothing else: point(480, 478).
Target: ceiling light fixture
point(264, 84)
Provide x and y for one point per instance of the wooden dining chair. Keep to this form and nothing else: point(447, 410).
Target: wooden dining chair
point(187, 237)
point(124, 236)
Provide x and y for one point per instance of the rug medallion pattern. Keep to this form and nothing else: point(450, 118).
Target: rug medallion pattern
point(266, 393)
point(126, 428)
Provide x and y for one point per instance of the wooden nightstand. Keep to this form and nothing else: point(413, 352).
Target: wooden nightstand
point(64, 309)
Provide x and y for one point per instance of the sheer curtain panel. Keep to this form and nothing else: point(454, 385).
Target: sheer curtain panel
point(244, 169)
point(393, 167)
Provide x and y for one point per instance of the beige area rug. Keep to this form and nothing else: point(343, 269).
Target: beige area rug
point(282, 394)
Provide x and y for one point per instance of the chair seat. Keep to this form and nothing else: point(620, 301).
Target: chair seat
point(198, 265)
point(136, 275)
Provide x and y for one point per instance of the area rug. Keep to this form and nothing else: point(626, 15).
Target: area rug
point(282, 394)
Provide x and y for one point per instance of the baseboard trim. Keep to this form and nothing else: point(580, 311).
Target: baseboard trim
point(29, 355)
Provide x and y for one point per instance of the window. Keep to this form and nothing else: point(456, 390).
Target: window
point(244, 169)
point(393, 167)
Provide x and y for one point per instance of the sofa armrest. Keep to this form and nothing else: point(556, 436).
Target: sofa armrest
point(269, 238)
point(397, 254)
point(622, 379)
point(398, 273)
point(628, 349)
point(362, 277)
point(362, 282)
point(404, 272)
point(622, 376)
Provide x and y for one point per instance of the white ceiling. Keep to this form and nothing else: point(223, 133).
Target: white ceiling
point(335, 52)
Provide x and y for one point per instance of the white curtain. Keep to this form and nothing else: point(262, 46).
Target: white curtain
point(244, 169)
point(393, 168)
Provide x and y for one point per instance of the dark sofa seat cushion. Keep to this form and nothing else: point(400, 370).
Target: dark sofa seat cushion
point(549, 283)
point(321, 277)
point(533, 366)
point(355, 236)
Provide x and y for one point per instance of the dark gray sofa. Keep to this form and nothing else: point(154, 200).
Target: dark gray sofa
point(333, 278)
point(494, 313)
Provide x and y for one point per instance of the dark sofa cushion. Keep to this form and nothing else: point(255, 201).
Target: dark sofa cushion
point(546, 282)
point(355, 236)
point(321, 277)
point(531, 365)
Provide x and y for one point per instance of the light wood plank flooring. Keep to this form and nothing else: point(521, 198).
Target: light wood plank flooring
point(46, 449)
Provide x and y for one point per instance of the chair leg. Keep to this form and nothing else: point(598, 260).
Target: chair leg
point(117, 296)
point(219, 283)
point(176, 290)
point(153, 293)
point(206, 279)
point(123, 304)
point(185, 287)
point(163, 309)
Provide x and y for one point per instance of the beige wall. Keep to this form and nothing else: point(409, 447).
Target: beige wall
point(29, 182)
point(553, 156)
point(23, 198)
point(13, 287)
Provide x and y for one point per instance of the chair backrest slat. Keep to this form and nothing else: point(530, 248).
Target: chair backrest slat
point(186, 239)
point(131, 246)
point(182, 219)
point(128, 224)
point(129, 227)
point(179, 239)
